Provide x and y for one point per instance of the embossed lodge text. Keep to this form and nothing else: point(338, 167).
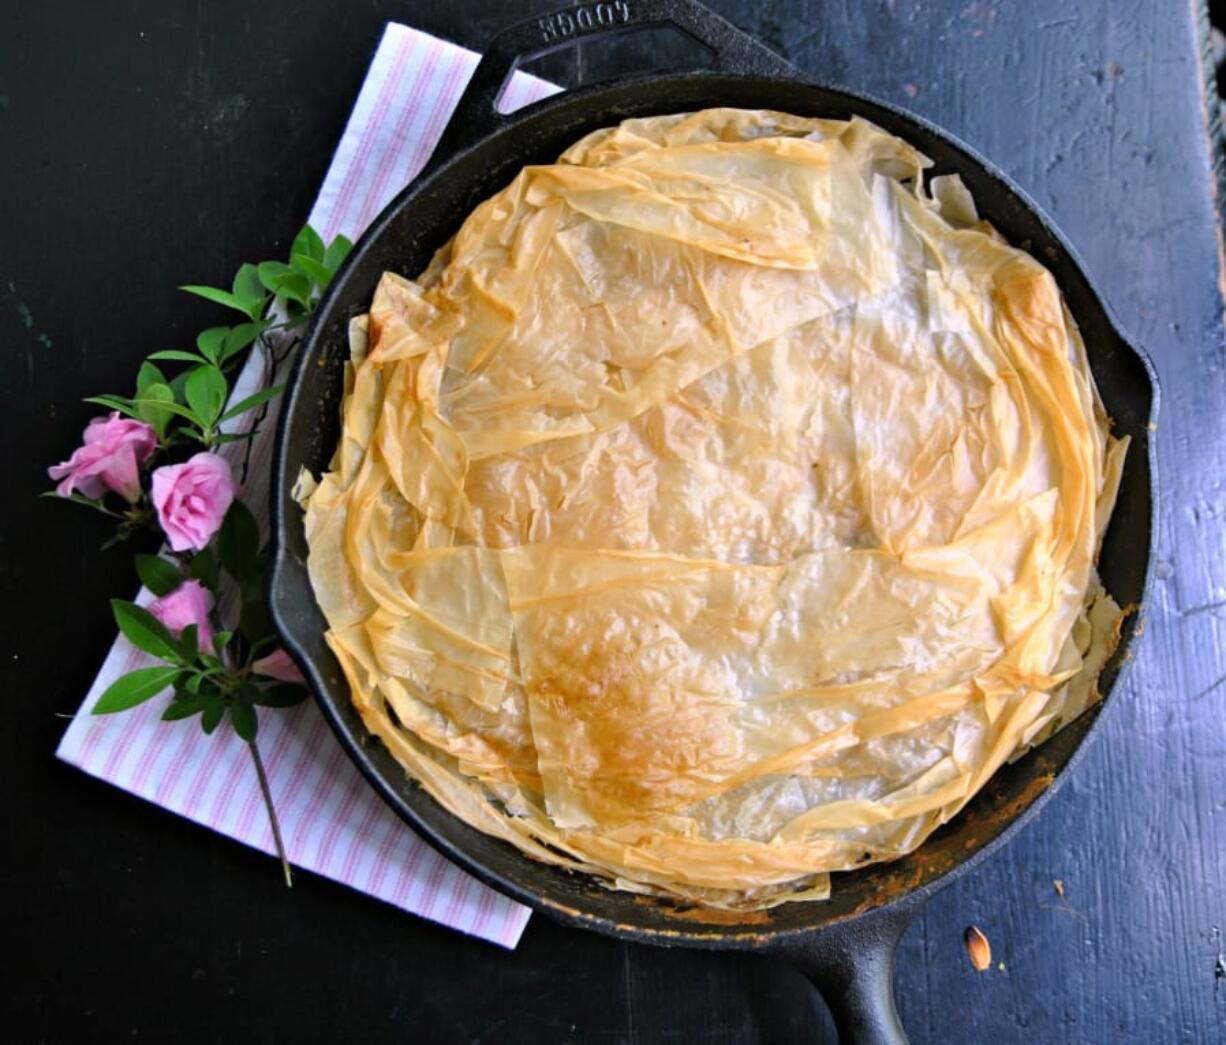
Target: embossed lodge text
point(578, 20)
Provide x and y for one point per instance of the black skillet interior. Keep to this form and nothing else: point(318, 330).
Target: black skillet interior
point(482, 151)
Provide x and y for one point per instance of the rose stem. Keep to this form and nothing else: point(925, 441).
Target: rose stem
point(272, 813)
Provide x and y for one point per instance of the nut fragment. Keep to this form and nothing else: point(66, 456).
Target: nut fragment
point(977, 948)
point(1059, 884)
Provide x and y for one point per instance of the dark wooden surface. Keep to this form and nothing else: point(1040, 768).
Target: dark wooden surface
point(145, 144)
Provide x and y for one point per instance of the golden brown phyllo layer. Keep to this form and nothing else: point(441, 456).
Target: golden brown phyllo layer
point(719, 509)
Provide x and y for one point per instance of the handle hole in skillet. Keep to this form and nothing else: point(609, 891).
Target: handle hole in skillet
point(649, 50)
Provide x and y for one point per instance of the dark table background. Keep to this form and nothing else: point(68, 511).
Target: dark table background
point(147, 144)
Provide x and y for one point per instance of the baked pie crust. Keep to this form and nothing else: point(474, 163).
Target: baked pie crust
point(719, 509)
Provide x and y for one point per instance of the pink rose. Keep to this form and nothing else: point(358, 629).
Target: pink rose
point(192, 498)
point(188, 604)
point(112, 452)
point(278, 665)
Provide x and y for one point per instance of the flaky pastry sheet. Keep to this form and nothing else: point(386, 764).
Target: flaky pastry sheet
point(719, 509)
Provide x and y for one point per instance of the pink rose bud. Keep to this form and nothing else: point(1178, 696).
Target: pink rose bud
point(188, 604)
point(192, 498)
point(278, 665)
point(110, 457)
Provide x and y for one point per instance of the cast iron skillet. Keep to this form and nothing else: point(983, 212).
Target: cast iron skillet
point(845, 945)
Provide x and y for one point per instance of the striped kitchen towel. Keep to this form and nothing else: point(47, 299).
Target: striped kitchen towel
point(333, 822)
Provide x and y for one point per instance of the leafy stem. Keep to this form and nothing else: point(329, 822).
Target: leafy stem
point(185, 396)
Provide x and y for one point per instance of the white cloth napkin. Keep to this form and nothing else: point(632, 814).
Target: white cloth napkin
point(332, 821)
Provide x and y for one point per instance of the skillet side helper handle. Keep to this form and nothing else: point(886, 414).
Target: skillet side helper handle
point(476, 116)
point(852, 966)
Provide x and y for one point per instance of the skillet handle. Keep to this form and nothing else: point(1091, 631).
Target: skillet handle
point(852, 965)
point(476, 116)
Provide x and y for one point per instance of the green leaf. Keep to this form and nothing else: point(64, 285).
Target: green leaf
point(243, 718)
point(179, 382)
point(214, 708)
point(314, 270)
point(247, 289)
point(156, 405)
point(220, 297)
point(124, 406)
point(160, 399)
point(175, 354)
point(203, 568)
point(89, 502)
point(308, 242)
point(184, 707)
point(297, 288)
point(160, 576)
point(193, 684)
point(211, 341)
point(147, 375)
point(265, 645)
point(206, 391)
point(338, 250)
point(189, 643)
point(272, 272)
point(234, 437)
point(252, 401)
point(284, 281)
point(135, 688)
point(144, 630)
point(286, 695)
point(238, 542)
point(252, 588)
point(253, 619)
point(240, 337)
point(222, 639)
